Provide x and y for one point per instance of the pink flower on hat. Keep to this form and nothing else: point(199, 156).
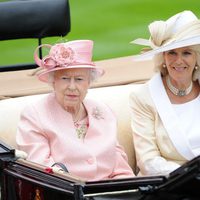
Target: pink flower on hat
point(72, 54)
point(59, 55)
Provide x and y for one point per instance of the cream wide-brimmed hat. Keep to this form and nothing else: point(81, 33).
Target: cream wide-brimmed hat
point(68, 55)
point(180, 30)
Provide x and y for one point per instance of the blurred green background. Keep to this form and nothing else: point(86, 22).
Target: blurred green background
point(112, 24)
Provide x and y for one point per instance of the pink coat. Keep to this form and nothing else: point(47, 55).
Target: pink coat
point(47, 133)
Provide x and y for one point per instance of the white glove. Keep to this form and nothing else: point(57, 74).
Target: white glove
point(57, 169)
point(20, 154)
point(159, 166)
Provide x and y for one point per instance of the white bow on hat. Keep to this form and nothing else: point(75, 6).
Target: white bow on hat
point(180, 30)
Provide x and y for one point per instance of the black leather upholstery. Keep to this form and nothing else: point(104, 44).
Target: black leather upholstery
point(34, 19)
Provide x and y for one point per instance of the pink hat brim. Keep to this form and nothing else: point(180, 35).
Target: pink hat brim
point(44, 76)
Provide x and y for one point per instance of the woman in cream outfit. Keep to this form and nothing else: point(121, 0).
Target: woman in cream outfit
point(166, 109)
point(64, 127)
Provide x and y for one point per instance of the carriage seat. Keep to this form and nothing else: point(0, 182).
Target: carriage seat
point(117, 97)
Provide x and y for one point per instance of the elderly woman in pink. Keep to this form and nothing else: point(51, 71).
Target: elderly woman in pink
point(63, 126)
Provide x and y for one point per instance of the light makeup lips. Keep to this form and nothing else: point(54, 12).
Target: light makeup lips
point(72, 96)
point(179, 69)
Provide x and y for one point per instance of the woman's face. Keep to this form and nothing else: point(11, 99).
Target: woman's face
point(70, 86)
point(180, 63)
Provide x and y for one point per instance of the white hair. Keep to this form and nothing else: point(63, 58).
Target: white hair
point(92, 78)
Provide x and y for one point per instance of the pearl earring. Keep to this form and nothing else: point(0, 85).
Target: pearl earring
point(164, 65)
point(196, 67)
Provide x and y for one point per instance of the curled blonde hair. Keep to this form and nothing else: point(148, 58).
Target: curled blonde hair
point(159, 62)
point(161, 33)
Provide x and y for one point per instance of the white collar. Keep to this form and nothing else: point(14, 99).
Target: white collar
point(169, 117)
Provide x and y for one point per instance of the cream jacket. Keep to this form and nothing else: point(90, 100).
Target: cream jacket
point(156, 129)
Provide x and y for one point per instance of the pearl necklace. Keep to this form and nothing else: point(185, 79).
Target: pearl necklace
point(176, 91)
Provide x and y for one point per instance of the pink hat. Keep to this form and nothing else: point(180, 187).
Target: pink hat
point(73, 54)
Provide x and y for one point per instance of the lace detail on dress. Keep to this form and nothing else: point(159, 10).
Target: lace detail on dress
point(81, 127)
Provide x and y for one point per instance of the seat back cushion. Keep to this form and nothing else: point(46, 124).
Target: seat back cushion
point(116, 97)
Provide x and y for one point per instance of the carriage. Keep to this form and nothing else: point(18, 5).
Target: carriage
point(23, 180)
